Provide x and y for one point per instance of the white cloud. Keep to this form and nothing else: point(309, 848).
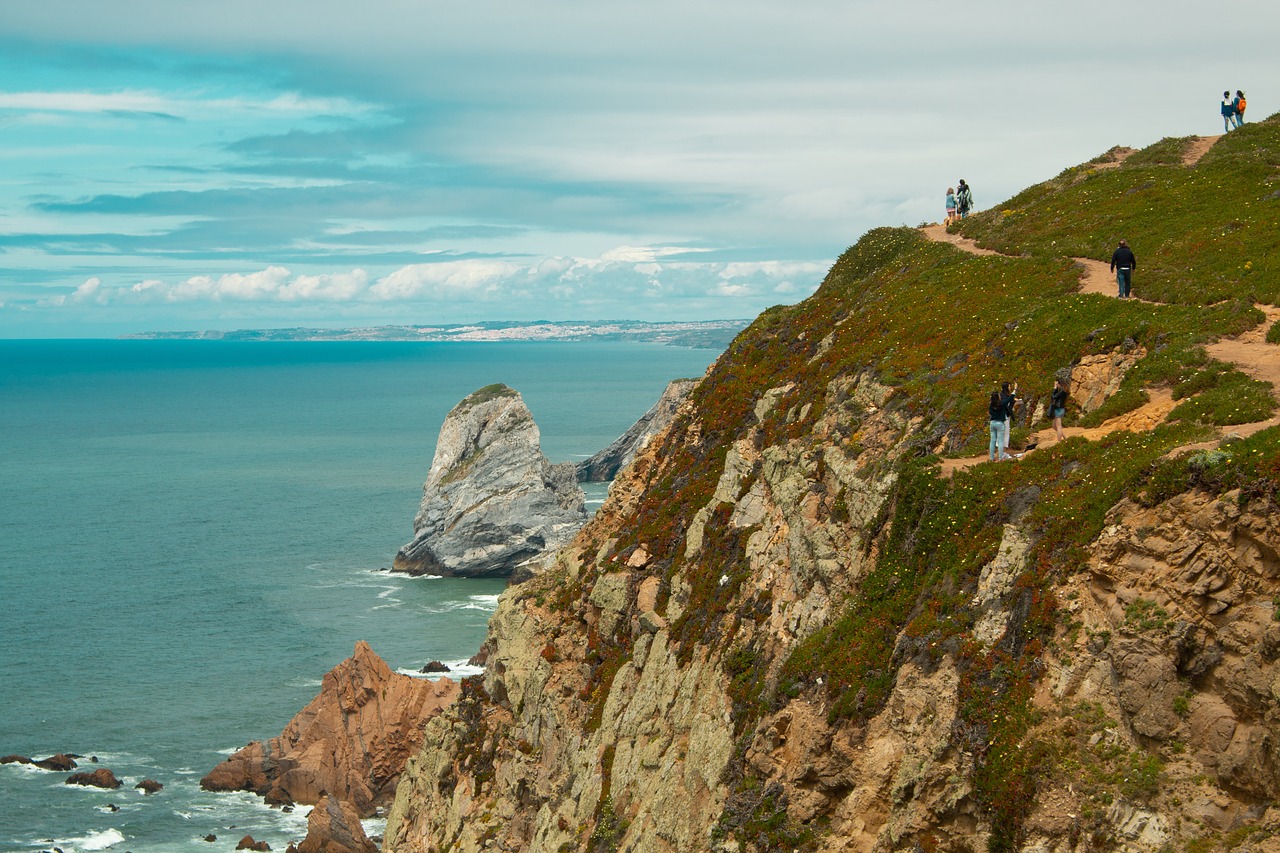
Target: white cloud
point(561, 280)
point(191, 105)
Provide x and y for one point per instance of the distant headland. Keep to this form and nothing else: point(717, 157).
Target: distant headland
point(701, 333)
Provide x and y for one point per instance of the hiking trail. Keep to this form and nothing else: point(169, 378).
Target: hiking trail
point(1249, 351)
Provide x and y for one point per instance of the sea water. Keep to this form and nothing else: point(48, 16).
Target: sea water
point(193, 532)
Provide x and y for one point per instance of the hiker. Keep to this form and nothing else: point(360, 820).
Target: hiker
point(996, 422)
point(1239, 104)
point(951, 206)
point(964, 199)
point(1008, 400)
point(1058, 405)
point(1123, 263)
point(1228, 111)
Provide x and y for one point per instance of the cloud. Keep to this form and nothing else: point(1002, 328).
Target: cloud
point(563, 280)
point(157, 104)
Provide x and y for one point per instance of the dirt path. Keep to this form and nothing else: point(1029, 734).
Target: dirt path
point(1144, 418)
point(938, 234)
point(1249, 352)
point(1198, 148)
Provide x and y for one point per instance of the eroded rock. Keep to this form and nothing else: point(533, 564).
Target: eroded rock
point(352, 740)
point(492, 502)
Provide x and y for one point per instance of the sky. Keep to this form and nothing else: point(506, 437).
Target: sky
point(275, 163)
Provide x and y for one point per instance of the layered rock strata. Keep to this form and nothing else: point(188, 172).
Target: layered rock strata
point(617, 710)
point(491, 502)
point(351, 741)
point(606, 464)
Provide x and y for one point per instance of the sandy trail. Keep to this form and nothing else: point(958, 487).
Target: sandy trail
point(1144, 418)
point(938, 234)
point(1198, 148)
point(1249, 352)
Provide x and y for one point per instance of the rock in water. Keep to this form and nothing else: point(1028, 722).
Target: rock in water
point(100, 778)
point(606, 464)
point(492, 501)
point(334, 827)
point(351, 741)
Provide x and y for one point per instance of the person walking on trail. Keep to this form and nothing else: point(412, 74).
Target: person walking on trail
point(1239, 104)
point(951, 206)
point(1009, 400)
point(1058, 405)
point(996, 423)
point(1123, 263)
point(964, 199)
point(1228, 111)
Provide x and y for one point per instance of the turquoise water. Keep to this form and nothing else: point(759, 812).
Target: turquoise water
point(192, 533)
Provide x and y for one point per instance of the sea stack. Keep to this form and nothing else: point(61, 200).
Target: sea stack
point(492, 502)
point(606, 464)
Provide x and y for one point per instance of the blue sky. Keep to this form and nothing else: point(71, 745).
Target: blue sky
point(170, 165)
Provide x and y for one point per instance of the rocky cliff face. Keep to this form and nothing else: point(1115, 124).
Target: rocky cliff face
point(351, 742)
point(785, 631)
point(606, 464)
point(492, 502)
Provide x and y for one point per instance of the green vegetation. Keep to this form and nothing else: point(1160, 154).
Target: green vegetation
point(941, 329)
point(1202, 235)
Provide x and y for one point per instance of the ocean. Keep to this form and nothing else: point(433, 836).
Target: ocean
point(193, 532)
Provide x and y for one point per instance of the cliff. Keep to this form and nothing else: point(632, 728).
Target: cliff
point(605, 465)
point(811, 617)
point(492, 502)
point(351, 741)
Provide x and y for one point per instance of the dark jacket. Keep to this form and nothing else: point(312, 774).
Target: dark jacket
point(1009, 402)
point(1123, 257)
point(996, 411)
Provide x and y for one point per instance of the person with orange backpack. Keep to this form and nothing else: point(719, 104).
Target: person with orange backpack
point(1239, 105)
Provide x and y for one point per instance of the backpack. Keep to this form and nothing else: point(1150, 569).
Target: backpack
point(1240, 105)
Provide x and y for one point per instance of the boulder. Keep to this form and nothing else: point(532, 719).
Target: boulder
point(59, 762)
point(100, 778)
point(15, 759)
point(491, 501)
point(352, 740)
point(247, 843)
point(435, 666)
point(606, 464)
point(334, 827)
point(149, 786)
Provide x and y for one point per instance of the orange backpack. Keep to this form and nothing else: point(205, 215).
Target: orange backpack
point(1240, 106)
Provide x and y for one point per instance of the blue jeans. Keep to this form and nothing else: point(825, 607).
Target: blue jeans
point(996, 446)
point(1122, 281)
point(1238, 118)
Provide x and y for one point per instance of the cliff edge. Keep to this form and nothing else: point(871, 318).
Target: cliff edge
point(790, 627)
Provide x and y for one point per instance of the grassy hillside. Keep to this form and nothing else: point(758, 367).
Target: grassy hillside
point(942, 328)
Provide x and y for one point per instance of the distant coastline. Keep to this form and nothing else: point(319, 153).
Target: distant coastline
point(703, 333)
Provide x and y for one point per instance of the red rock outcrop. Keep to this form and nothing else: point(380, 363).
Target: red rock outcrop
point(351, 741)
point(100, 778)
point(334, 827)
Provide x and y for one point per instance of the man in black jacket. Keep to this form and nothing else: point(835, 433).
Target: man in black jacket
point(1123, 263)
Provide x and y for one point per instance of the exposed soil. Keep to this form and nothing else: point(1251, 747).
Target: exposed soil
point(1198, 148)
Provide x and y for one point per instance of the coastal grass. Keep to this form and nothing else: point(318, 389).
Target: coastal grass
point(1202, 234)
